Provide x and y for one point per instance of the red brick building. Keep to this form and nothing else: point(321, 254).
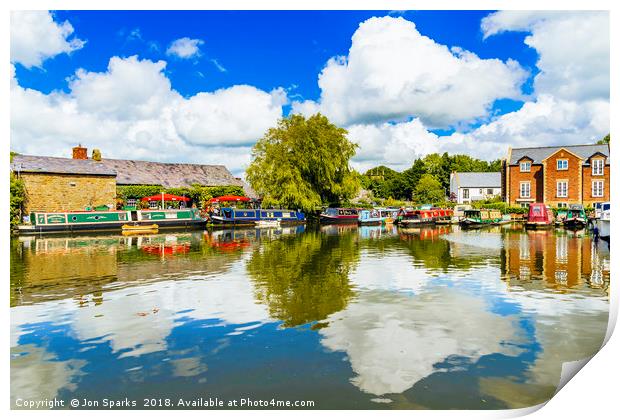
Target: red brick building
point(557, 176)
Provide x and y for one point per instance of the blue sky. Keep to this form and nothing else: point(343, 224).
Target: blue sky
point(265, 49)
point(344, 64)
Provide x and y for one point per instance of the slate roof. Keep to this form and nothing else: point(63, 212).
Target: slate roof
point(537, 154)
point(54, 165)
point(134, 172)
point(478, 179)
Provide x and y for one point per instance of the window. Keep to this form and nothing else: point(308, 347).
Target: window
point(597, 166)
point(131, 202)
point(525, 205)
point(562, 164)
point(562, 205)
point(153, 204)
point(524, 190)
point(562, 189)
point(597, 188)
point(465, 193)
point(526, 166)
point(480, 191)
point(489, 191)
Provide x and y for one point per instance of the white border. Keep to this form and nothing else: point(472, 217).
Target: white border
point(593, 394)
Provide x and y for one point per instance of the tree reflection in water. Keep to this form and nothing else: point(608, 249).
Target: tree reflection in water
point(304, 278)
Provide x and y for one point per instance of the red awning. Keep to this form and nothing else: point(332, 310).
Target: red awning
point(166, 197)
point(228, 198)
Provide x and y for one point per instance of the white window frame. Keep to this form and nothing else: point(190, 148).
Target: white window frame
point(598, 166)
point(526, 166)
point(562, 205)
point(557, 165)
point(466, 193)
point(132, 202)
point(153, 205)
point(492, 191)
point(529, 189)
point(598, 188)
point(558, 191)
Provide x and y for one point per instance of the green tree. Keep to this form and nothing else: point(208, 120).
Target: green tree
point(304, 163)
point(18, 196)
point(428, 190)
point(604, 140)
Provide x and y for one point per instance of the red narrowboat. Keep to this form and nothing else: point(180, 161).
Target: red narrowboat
point(539, 217)
point(410, 218)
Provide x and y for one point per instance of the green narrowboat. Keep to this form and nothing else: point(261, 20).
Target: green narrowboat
point(41, 222)
point(480, 217)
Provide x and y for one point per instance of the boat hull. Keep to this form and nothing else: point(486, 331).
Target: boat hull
point(326, 219)
point(603, 229)
point(574, 223)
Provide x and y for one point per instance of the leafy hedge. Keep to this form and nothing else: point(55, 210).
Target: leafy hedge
point(197, 193)
point(18, 196)
point(499, 205)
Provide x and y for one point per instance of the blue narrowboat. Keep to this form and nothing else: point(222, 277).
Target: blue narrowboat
point(234, 216)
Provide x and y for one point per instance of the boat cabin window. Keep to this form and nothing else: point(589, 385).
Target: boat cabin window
point(536, 210)
point(347, 212)
point(606, 206)
point(153, 205)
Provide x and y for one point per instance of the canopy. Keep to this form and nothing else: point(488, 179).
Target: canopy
point(165, 197)
point(228, 198)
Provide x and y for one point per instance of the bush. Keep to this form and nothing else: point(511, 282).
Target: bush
point(18, 196)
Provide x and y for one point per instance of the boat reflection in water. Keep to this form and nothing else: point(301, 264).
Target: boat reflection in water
point(347, 316)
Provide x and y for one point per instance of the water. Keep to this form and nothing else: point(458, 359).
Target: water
point(345, 317)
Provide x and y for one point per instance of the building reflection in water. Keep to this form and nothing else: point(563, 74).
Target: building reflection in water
point(373, 313)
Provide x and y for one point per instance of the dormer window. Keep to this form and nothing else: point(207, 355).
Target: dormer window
point(597, 166)
point(562, 164)
point(526, 166)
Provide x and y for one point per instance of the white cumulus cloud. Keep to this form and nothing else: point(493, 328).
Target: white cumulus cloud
point(573, 50)
point(131, 111)
point(185, 47)
point(393, 72)
point(35, 37)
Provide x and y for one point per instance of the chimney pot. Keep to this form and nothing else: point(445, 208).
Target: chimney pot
point(80, 152)
point(97, 155)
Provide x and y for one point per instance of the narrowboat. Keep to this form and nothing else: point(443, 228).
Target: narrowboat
point(442, 216)
point(378, 216)
point(411, 218)
point(575, 217)
point(459, 212)
point(603, 221)
point(249, 217)
point(41, 222)
point(339, 215)
point(480, 217)
point(539, 217)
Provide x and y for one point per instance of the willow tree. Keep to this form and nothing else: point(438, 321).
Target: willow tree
point(303, 163)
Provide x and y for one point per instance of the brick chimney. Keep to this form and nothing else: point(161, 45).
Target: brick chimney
point(80, 152)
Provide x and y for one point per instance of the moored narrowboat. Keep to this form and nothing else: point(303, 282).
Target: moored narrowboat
point(249, 217)
point(410, 218)
point(539, 217)
point(339, 215)
point(42, 222)
point(474, 218)
point(377, 216)
point(575, 217)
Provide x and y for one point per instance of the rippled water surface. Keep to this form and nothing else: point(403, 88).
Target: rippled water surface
point(347, 317)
